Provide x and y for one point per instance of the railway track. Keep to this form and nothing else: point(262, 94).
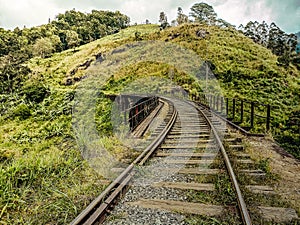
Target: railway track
point(188, 173)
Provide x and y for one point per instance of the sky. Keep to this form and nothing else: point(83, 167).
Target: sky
point(285, 13)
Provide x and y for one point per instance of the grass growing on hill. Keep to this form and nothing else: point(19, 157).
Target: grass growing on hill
point(43, 177)
point(247, 70)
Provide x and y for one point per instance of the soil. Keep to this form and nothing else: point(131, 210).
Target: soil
point(282, 164)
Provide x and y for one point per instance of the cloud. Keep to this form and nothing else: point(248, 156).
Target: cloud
point(23, 12)
point(234, 13)
point(140, 10)
point(286, 14)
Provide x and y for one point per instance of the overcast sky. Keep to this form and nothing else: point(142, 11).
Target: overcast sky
point(285, 13)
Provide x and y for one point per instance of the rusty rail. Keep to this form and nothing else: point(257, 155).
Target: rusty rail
point(241, 202)
point(97, 211)
point(241, 112)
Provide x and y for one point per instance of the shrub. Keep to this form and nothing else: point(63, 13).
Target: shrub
point(22, 111)
point(35, 92)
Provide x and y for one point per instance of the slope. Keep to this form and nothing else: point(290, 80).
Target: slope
point(43, 177)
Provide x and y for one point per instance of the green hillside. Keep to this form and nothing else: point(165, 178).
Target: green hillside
point(43, 177)
point(298, 46)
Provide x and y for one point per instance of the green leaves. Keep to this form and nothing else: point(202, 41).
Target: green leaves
point(22, 111)
point(203, 13)
point(35, 92)
point(43, 47)
point(272, 37)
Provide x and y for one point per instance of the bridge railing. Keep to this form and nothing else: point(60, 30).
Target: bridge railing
point(250, 115)
point(138, 112)
point(134, 109)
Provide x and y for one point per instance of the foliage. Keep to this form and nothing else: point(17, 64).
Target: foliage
point(43, 177)
point(163, 20)
point(13, 71)
point(272, 37)
point(43, 47)
point(246, 70)
point(35, 92)
point(22, 111)
point(72, 39)
point(290, 135)
point(67, 31)
point(203, 13)
point(298, 44)
point(181, 17)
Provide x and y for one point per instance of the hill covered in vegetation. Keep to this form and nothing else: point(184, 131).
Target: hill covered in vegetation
point(298, 46)
point(43, 177)
point(67, 31)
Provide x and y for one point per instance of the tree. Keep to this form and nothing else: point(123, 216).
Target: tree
point(68, 30)
point(13, 71)
point(203, 13)
point(9, 42)
point(163, 20)
point(32, 34)
point(272, 37)
point(298, 43)
point(55, 40)
point(276, 40)
point(223, 24)
point(181, 17)
point(72, 39)
point(250, 30)
point(43, 47)
point(292, 42)
point(263, 33)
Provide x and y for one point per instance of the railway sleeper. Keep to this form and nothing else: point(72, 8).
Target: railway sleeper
point(278, 214)
point(181, 207)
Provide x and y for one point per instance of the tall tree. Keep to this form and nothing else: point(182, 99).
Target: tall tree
point(181, 17)
point(203, 13)
point(163, 20)
point(263, 33)
point(276, 40)
point(251, 31)
point(298, 45)
point(43, 47)
point(72, 39)
point(292, 42)
point(280, 43)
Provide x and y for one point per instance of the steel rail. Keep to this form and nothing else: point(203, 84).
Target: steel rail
point(230, 122)
point(241, 202)
point(97, 209)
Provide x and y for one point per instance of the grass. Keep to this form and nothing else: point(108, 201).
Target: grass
point(271, 179)
point(247, 70)
point(43, 177)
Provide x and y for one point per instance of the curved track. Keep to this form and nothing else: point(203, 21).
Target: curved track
point(187, 147)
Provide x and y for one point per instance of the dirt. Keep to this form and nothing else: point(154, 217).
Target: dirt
point(282, 164)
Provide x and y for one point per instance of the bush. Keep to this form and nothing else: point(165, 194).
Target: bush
point(35, 92)
point(22, 111)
